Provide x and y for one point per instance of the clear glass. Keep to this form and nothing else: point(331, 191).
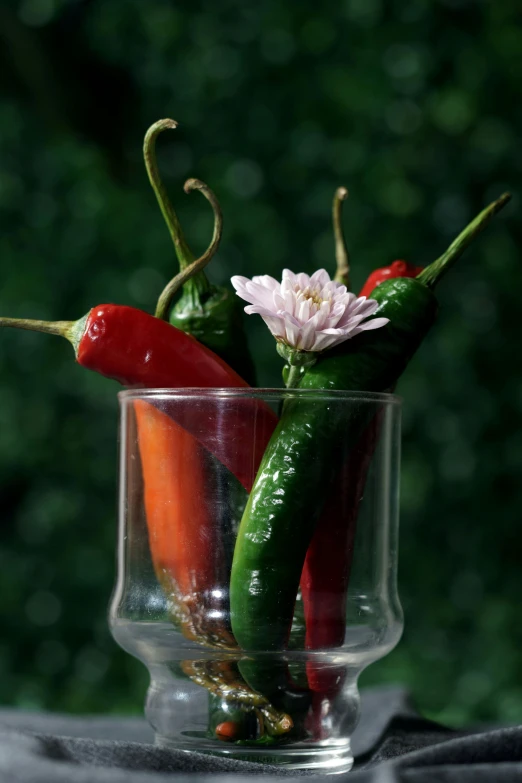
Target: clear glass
point(187, 459)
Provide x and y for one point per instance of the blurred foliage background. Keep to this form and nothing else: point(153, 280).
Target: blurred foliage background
point(415, 106)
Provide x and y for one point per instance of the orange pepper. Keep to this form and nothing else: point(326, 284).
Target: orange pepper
point(185, 543)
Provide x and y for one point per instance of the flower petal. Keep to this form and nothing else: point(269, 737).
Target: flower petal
point(361, 306)
point(292, 334)
point(290, 300)
point(307, 338)
point(302, 280)
point(375, 323)
point(320, 279)
point(308, 313)
point(323, 341)
point(303, 309)
point(256, 292)
point(267, 282)
point(276, 326)
point(240, 283)
point(260, 310)
point(289, 275)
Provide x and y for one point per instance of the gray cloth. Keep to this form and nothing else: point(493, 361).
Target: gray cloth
point(392, 743)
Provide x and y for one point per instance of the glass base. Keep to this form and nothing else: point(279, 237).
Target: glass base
point(324, 760)
point(222, 720)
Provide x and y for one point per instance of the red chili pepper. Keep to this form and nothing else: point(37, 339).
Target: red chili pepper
point(228, 731)
point(326, 572)
point(396, 269)
point(139, 350)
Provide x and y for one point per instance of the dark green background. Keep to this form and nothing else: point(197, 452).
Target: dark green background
point(415, 105)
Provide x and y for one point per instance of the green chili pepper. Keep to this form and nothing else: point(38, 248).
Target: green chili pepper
point(212, 314)
point(297, 468)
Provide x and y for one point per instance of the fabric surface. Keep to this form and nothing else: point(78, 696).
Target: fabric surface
point(392, 743)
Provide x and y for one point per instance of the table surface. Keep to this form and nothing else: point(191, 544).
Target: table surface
point(391, 743)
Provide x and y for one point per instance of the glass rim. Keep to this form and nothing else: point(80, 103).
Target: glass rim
point(256, 393)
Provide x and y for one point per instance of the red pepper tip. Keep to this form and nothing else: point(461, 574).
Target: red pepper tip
point(227, 731)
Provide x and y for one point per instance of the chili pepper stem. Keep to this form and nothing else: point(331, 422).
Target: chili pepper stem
point(71, 330)
point(183, 251)
point(188, 272)
point(342, 274)
point(432, 274)
point(198, 284)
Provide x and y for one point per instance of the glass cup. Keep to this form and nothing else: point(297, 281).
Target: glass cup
point(188, 459)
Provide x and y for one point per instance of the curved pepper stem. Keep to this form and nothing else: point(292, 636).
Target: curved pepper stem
point(165, 300)
point(183, 251)
point(342, 274)
point(72, 330)
point(198, 284)
point(431, 275)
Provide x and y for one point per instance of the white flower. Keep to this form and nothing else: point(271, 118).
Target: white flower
point(307, 313)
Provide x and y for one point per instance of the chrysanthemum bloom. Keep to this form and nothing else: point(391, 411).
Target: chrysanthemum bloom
point(307, 313)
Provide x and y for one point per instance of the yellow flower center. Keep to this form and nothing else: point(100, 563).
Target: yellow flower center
point(313, 295)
